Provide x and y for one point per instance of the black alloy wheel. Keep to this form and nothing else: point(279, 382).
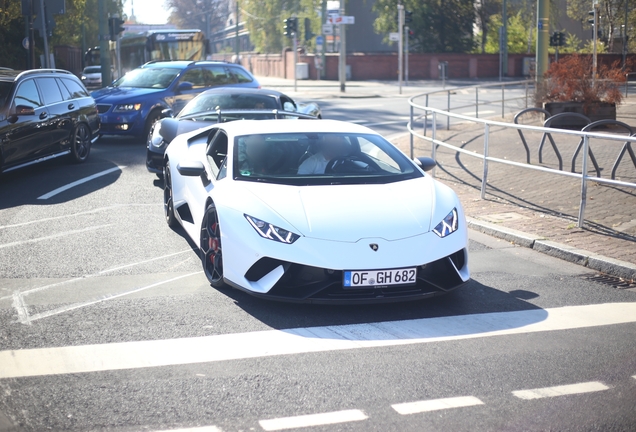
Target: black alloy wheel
point(211, 252)
point(168, 204)
point(81, 143)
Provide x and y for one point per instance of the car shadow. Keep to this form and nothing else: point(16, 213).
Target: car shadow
point(470, 299)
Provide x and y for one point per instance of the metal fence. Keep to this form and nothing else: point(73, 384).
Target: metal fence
point(435, 113)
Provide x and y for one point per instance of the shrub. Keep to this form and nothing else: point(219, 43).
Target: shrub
point(570, 80)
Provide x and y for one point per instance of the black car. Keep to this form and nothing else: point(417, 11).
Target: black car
point(44, 113)
point(221, 105)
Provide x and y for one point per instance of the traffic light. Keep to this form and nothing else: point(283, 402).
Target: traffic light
point(291, 27)
point(294, 25)
point(115, 27)
point(308, 32)
point(561, 39)
point(408, 16)
point(591, 20)
point(553, 37)
point(287, 30)
point(411, 35)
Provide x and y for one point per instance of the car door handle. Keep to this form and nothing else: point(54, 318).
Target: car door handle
point(43, 115)
point(71, 106)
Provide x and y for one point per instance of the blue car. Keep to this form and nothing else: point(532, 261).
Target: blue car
point(131, 105)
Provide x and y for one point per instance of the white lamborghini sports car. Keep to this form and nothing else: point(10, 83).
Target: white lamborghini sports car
point(319, 212)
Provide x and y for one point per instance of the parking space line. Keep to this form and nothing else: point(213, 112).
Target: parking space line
point(79, 182)
point(436, 404)
point(539, 393)
point(53, 236)
point(313, 420)
point(193, 429)
point(74, 306)
point(99, 273)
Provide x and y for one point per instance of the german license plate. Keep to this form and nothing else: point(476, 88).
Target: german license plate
point(378, 278)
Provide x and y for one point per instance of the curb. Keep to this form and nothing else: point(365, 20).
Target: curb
point(600, 263)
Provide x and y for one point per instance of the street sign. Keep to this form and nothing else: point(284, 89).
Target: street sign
point(338, 19)
point(25, 43)
point(394, 37)
point(319, 40)
point(327, 29)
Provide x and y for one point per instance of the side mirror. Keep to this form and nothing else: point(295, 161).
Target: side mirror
point(191, 168)
point(167, 112)
point(185, 85)
point(23, 110)
point(426, 163)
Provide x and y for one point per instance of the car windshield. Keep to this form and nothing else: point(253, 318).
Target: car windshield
point(319, 159)
point(92, 69)
point(228, 101)
point(159, 78)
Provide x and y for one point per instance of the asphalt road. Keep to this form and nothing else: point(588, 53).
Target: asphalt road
point(117, 329)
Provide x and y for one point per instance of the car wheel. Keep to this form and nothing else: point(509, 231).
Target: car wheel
point(152, 118)
point(211, 252)
point(81, 144)
point(168, 204)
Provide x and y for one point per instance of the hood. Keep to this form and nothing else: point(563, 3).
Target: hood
point(349, 213)
point(121, 94)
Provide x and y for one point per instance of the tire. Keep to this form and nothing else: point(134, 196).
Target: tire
point(168, 204)
point(211, 251)
point(81, 143)
point(152, 118)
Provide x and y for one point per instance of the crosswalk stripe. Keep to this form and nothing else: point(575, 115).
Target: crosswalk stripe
point(312, 420)
point(436, 404)
point(570, 389)
point(153, 353)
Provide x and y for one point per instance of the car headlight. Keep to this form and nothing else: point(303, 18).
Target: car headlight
point(448, 225)
point(156, 139)
point(127, 107)
point(83, 78)
point(272, 232)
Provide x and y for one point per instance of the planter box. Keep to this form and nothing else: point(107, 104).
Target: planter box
point(598, 111)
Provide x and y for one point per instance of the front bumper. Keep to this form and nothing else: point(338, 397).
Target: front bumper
point(305, 284)
point(122, 124)
point(155, 161)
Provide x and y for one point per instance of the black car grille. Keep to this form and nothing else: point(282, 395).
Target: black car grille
point(103, 108)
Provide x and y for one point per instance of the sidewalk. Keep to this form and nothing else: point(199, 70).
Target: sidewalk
point(527, 207)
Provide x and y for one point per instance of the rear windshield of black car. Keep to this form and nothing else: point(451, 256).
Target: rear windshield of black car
point(320, 159)
point(228, 101)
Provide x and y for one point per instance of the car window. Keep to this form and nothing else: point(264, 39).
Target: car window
point(240, 75)
point(28, 95)
point(50, 91)
point(92, 69)
point(65, 93)
point(218, 75)
point(194, 76)
point(228, 101)
point(5, 89)
point(319, 159)
point(75, 88)
point(217, 151)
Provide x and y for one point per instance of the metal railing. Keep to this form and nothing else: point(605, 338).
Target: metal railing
point(585, 136)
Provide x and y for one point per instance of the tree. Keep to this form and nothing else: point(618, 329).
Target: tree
point(611, 16)
point(199, 14)
point(518, 31)
point(438, 25)
point(484, 10)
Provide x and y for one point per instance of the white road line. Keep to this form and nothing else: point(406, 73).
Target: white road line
point(97, 210)
point(154, 353)
point(74, 306)
point(21, 309)
point(313, 420)
point(193, 429)
point(100, 273)
point(53, 236)
point(435, 405)
point(540, 393)
point(79, 182)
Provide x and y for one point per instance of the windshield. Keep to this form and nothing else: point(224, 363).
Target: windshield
point(92, 69)
point(319, 159)
point(159, 78)
point(228, 101)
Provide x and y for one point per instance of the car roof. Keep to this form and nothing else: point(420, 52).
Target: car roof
point(244, 127)
point(181, 64)
point(13, 75)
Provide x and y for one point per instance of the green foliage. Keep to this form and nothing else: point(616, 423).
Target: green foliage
point(518, 33)
point(572, 44)
point(439, 26)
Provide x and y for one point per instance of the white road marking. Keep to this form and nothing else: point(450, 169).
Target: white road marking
point(313, 420)
point(154, 353)
point(97, 210)
point(100, 273)
point(194, 429)
point(53, 236)
point(74, 306)
point(587, 387)
point(79, 182)
point(21, 309)
point(388, 122)
point(436, 404)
